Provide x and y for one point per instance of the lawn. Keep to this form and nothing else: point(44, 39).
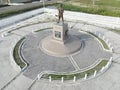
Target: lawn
point(113, 3)
point(100, 7)
point(102, 41)
point(16, 54)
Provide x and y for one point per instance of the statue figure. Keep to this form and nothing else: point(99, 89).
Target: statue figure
point(7, 1)
point(60, 13)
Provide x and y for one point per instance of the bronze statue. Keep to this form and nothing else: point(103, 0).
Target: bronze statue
point(60, 13)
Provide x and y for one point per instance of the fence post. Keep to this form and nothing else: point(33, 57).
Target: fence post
point(107, 41)
point(103, 37)
point(111, 48)
point(74, 79)
point(95, 72)
point(102, 68)
point(99, 35)
point(2, 35)
point(109, 62)
point(85, 76)
point(62, 79)
point(50, 79)
point(38, 77)
point(111, 59)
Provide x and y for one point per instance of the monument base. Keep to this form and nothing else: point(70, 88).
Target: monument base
point(60, 32)
point(54, 48)
point(60, 43)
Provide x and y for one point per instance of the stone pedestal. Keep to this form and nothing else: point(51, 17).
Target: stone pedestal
point(60, 32)
point(60, 43)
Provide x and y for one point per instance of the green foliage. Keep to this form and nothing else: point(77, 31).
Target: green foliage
point(115, 30)
point(111, 3)
point(102, 41)
point(104, 44)
point(16, 54)
point(92, 10)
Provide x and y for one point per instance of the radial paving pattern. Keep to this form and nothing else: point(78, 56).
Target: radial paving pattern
point(90, 53)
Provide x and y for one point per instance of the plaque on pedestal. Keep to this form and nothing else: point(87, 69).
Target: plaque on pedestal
point(60, 31)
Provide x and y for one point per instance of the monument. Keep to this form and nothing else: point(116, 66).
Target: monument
point(60, 13)
point(61, 43)
point(61, 52)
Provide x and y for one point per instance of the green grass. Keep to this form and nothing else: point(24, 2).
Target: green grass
point(102, 7)
point(116, 31)
point(92, 10)
point(16, 54)
point(113, 3)
point(78, 75)
point(102, 41)
point(104, 44)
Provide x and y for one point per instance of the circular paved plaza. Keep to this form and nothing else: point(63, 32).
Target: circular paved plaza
point(90, 54)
